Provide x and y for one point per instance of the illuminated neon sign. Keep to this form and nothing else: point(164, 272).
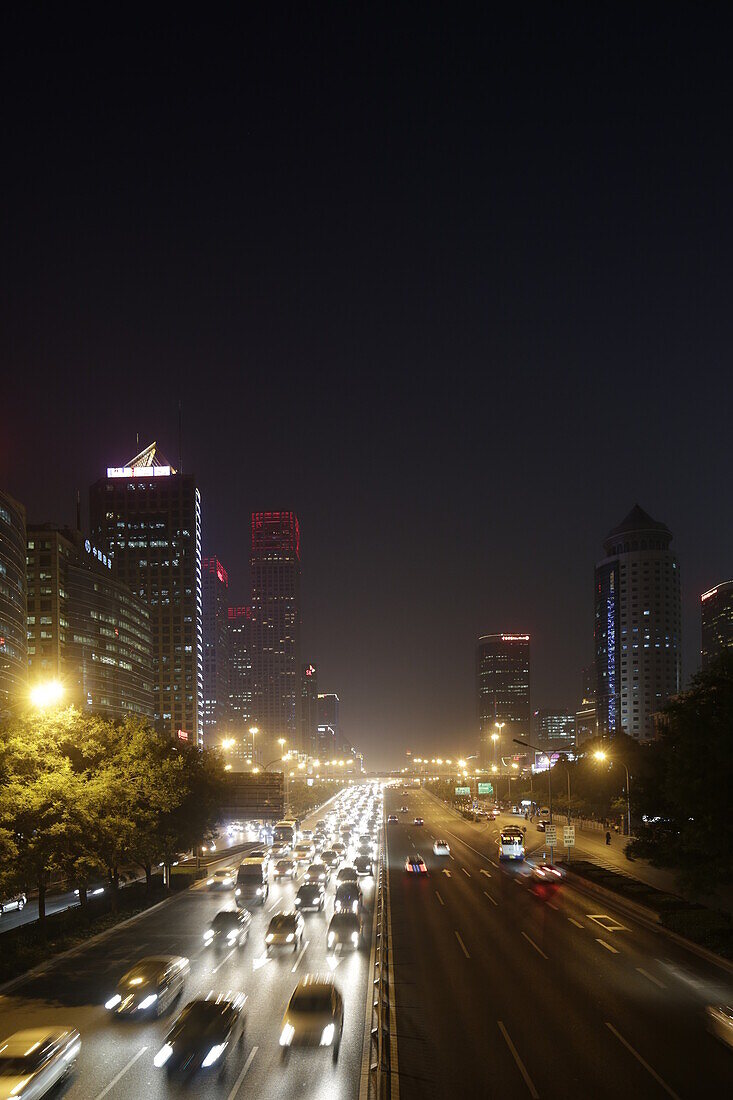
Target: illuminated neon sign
point(138, 471)
point(515, 637)
point(97, 554)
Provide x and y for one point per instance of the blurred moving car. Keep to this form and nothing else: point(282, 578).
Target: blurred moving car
point(441, 848)
point(404, 809)
point(15, 901)
point(204, 1034)
point(286, 868)
point(35, 1061)
point(347, 873)
point(392, 819)
point(318, 872)
point(331, 858)
point(345, 930)
point(285, 930)
point(223, 879)
point(720, 1022)
point(418, 821)
point(314, 1016)
point(311, 895)
point(253, 885)
point(152, 985)
point(348, 897)
point(363, 865)
point(415, 865)
point(229, 928)
point(547, 872)
point(541, 825)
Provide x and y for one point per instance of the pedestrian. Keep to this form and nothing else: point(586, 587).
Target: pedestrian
point(608, 837)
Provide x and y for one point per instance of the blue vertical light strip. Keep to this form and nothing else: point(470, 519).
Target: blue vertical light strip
point(199, 631)
point(611, 651)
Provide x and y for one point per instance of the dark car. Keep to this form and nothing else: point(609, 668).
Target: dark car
point(392, 819)
point(331, 858)
point(314, 1017)
point(347, 873)
point(348, 898)
point(344, 931)
point(363, 865)
point(541, 825)
point(311, 895)
point(229, 928)
point(204, 1035)
point(151, 986)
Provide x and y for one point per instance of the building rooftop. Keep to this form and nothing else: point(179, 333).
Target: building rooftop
point(639, 523)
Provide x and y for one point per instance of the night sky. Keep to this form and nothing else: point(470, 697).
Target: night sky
point(457, 290)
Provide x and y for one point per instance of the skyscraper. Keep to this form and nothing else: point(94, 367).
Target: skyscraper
point(146, 517)
point(637, 626)
point(240, 634)
point(553, 730)
point(502, 683)
point(85, 627)
point(308, 707)
point(275, 574)
point(328, 713)
point(214, 591)
point(716, 608)
point(13, 652)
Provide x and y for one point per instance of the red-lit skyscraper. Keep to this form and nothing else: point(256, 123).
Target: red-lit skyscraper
point(275, 574)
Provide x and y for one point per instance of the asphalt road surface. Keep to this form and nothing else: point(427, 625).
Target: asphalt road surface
point(116, 1059)
point(507, 988)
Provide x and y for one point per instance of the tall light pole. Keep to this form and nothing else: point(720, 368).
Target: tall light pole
point(496, 737)
point(601, 756)
point(253, 733)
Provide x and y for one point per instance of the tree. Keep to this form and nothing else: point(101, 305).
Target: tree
point(687, 800)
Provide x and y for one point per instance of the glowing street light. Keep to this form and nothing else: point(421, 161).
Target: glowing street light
point(47, 695)
point(602, 757)
point(228, 743)
point(461, 763)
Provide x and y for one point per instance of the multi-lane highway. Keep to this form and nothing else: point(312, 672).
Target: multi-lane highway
point(116, 1059)
point(509, 988)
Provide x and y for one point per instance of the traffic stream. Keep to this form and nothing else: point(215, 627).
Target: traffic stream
point(507, 987)
point(116, 1058)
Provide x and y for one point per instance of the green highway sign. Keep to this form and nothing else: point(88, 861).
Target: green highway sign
point(485, 788)
point(463, 790)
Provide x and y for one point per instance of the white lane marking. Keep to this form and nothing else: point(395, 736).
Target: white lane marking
point(394, 1060)
point(226, 957)
point(468, 873)
point(493, 864)
point(485, 872)
point(439, 898)
point(520, 1064)
point(243, 1074)
point(260, 961)
point(464, 949)
point(518, 882)
point(275, 905)
point(651, 977)
point(530, 940)
point(304, 948)
point(608, 924)
point(121, 1074)
point(641, 1061)
point(607, 946)
point(575, 922)
point(490, 897)
point(553, 906)
point(446, 872)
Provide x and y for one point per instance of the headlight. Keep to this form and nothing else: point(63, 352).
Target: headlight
point(209, 882)
point(163, 1055)
point(297, 901)
point(269, 937)
point(148, 1001)
point(237, 892)
point(232, 937)
point(213, 1054)
point(331, 938)
point(354, 938)
point(355, 907)
point(113, 1001)
point(286, 1036)
point(208, 935)
point(327, 1035)
point(321, 878)
point(337, 906)
point(260, 890)
point(289, 938)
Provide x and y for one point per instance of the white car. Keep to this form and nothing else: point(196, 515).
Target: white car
point(441, 848)
point(720, 1022)
point(33, 1062)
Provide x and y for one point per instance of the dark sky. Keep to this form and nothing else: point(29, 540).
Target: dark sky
point(458, 290)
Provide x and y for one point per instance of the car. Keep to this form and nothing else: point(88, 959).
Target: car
point(318, 872)
point(347, 873)
point(285, 930)
point(340, 847)
point(314, 1016)
point(150, 986)
point(418, 821)
point(203, 1035)
point(304, 851)
point(719, 1018)
point(15, 901)
point(263, 854)
point(415, 865)
point(331, 858)
point(223, 879)
point(307, 834)
point(286, 868)
point(363, 865)
point(229, 928)
point(348, 897)
point(441, 848)
point(344, 930)
point(404, 809)
point(311, 895)
point(279, 850)
point(392, 819)
point(547, 872)
point(34, 1061)
point(541, 825)
point(253, 886)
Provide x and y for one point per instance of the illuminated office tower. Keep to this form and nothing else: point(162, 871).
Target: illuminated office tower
point(502, 681)
point(716, 606)
point(214, 592)
point(13, 653)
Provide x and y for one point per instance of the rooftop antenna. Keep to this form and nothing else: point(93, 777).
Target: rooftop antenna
point(78, 510)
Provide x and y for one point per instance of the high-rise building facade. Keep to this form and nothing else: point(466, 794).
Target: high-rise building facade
point(275, 575)
point(85, 627)
point(13, 651)
point(637, 626)
point(308, 707)
point(146, 517)
point(328, 712)
point(716, 607)
point(240, 635)
point(553, 730)
point(502, 683)
point(214, 593)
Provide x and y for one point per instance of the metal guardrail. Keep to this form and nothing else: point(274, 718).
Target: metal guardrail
point(380, 1068)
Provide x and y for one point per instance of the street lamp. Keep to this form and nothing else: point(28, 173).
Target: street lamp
point(47, 695)
point(496, 737)
point(253, 733)
point(601, 757)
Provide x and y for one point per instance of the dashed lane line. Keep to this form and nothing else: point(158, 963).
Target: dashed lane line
point(243, 1074)
point(575, 922)
point(464, 949)
point(530, 940)
point(651, 977)
point(642, 1062)
point(488, 895)
point(225, 959)
point(439, 898)
point(520, 1064)
point(485, 872)
point(121, 1074)
point(467, 873)
point(303, 950)
point(607, 946)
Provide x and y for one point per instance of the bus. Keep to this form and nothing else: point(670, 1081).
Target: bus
point(286, 831)
point(511, 843)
